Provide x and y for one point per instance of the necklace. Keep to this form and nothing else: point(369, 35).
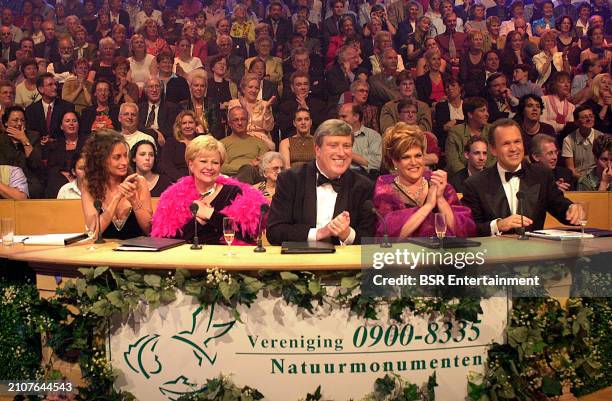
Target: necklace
point(208, 192)
point(406, 190)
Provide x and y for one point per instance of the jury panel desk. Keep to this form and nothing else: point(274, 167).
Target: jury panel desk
point(65, 259)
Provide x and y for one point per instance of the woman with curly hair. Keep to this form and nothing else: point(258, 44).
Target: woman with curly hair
point(125, 197)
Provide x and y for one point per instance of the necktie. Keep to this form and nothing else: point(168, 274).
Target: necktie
point(452, 50)
point(48, 118)
point(336, 183)
point(519, 173)
point(151, 117)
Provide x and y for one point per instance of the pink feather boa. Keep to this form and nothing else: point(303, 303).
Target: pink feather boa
point(173, 212)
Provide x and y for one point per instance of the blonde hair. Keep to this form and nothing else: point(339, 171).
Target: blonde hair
point(198, 73)
point(548, 34)
point(204, 143)
point(596, 85)
point(176, 128)
point(399, 139)
point(248, 77)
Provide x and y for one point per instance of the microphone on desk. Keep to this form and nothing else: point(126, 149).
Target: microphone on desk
point(385, 242)
point(194, 211)
point(520, 197)
point(98, 206)
point(263, 209)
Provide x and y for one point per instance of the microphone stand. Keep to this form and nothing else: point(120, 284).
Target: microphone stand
point(196, 242)
point(385, 242)
point(98, 207)
point(260, 248)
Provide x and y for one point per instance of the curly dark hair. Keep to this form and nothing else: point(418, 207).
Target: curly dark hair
point(97, 150)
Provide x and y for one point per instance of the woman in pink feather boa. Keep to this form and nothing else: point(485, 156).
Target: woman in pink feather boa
point(216, 196)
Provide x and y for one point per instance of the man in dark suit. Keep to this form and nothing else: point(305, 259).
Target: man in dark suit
point(475, 152)
point(493, 194)
point(44, 116)
point(156, 117)
point(544, 151)
point(452, 44)
point(499, 11)
point(342, 74)
point(329, 26)
point(301, 61)
point(8, 47)
point(49, 48)
point(299, 98)
point(117, 14)
point(280, 28)
point(323, 200)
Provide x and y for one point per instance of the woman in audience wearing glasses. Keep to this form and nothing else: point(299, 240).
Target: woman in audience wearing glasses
point(270, 166)
point(143, 159)
point(408, 198)
point(216, 197)
point(125, 197)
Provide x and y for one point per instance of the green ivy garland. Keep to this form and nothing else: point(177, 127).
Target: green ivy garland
point(541, 334)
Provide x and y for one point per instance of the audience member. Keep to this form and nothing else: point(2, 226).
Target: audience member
point(143, 160)
point(103, 114)
point(298, 149)
point(544, 151)
point(475, 152)
point(72, 189)
point(128, 119)
point(13, 183)
point(270, 166)
point(577, 148)
point(529, 112)
point(600, 177)
point(44, 116)
point(366, 155)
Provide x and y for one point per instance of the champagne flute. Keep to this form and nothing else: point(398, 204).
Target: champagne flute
point(584, 215)
point(440, 226)
point(229, 231)
point(91, 229)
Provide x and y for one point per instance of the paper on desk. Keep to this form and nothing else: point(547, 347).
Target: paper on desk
point(49, 239)
point(558, 235)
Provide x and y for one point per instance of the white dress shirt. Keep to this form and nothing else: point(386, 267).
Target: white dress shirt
point(326, 203)
point(511, 188)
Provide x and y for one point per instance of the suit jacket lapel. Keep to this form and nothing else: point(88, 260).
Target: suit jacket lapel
point(530, 186)
point(496, 199)
point(310, 195)
point(342, 197)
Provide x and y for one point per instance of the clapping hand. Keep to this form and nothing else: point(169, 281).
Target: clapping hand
point(562, 185)
point(129, 188)
point(439, 179)
point(340, 226)
point(270, 102)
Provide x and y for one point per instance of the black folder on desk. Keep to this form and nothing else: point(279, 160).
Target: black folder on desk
point(289, 248)
point(149, 244)
point(447, 243)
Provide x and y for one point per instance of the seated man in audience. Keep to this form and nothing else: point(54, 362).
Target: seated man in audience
point(476, 116)
point(367, 144)
point(343, 73)
point(499, 97)
point(383, 87)
point(517, 9)
point(600, 177)
point(544, 152)
point(243, 151)
point(13, 183)
point(452, 44)
point(128, 118)
point(44, 116)
point(475, 153)
point(492, 194)
point(63, 68)
point(323, 200)
point(577, 148)
point(301, 61)
point(7, 95)
point(49, 49)
point(156, 115)
point(299, 98)
point(521, 84)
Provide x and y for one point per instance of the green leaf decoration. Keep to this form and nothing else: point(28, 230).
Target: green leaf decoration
point(81, 286)
point(116, 298)
point(153, 280)
point(288, 276)
point(151, 295)
point(101, 308)
point(98, 271)
point(91, 291)
point(252, 284)
point(551, 386)
point(228, 290)
point(87, 272)
point(167, 296)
